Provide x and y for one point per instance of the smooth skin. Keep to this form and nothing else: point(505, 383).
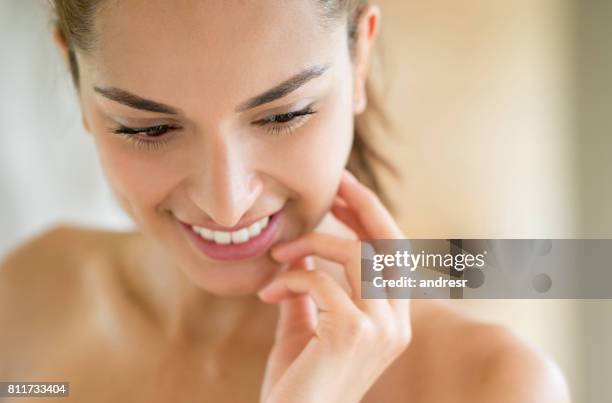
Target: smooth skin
point(144, 316)
point(341, 351)
point(77, 317)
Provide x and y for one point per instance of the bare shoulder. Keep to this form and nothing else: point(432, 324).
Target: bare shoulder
point(514, 371)
point(44, 288)
point(54, 261)
point(455, 358)
point(490, 361)
point(36, 273)
point(506, 368)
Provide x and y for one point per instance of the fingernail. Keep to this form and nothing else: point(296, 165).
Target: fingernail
point(309, 263)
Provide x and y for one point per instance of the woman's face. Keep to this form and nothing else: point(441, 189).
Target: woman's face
point(247, 110)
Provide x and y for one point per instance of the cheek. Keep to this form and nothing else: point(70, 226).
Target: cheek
point(314, 160)
point(139, 179)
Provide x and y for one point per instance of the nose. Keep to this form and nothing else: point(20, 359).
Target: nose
point(226, 185)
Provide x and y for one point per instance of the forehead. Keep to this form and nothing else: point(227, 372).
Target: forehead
point(187, 48)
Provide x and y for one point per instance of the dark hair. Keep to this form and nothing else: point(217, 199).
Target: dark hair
point(75, 22)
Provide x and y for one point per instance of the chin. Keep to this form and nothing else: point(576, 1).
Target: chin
point(236, 278)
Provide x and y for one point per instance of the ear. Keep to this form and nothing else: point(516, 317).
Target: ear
point(368, 27)
point(61, 44)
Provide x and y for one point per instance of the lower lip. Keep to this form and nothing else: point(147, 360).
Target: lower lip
point(251, 248)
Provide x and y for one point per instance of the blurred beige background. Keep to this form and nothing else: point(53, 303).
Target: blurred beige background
point(501, 130)
point(502, 108)
point(480, 91)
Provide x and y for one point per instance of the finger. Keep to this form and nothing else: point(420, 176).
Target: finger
point(343, 251)
point(372, 214)
point(301, 264)
point(296, 325)
point(398, 297)
point(376, 221)
point(297, 316)
point(297, 312)
point(343, 213)
point(324, 290)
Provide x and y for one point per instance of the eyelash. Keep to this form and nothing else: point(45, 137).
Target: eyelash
point(288, 122)
point(154, 131)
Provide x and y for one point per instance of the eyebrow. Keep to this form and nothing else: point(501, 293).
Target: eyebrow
point(283, 89)
point(134, 101)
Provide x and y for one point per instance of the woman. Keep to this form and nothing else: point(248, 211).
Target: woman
point(224, 129)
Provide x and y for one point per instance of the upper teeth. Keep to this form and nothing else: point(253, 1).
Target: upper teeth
point(239, 236)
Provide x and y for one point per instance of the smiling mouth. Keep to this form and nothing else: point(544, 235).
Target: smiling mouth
point(239, 236)
point(242, 243)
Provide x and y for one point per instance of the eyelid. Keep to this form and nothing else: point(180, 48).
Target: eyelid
point(134, 131)
point(294, 107)
point(293, 117)
point(142, 122)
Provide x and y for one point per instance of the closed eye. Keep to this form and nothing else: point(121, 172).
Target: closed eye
point(149, 138)
point(152, 131)
point(285, 122)
point(153, 137)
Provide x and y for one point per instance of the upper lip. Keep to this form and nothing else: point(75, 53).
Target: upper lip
point(240, 225)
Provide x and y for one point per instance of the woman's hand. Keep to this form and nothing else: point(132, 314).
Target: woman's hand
point(331, 346)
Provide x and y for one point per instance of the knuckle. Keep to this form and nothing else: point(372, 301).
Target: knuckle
point(387, 335)
point(395, 337)
point(359, 329)
point(402, 339)
point(405, 335)
point(318, 275)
